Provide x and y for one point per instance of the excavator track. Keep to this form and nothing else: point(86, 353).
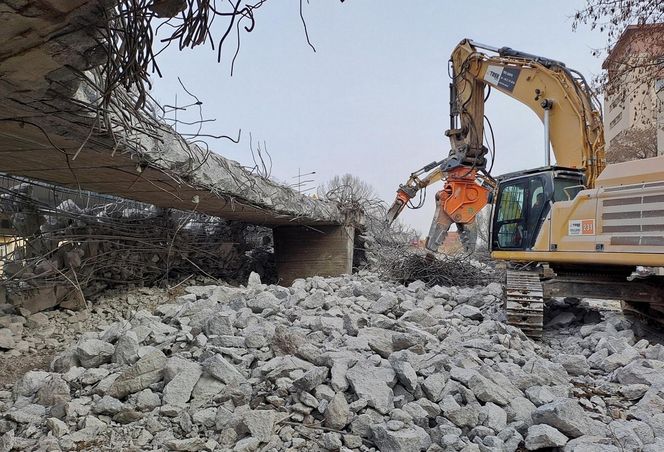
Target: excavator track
point(524, 302)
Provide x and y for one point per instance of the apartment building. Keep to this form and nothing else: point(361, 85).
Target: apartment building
point(634, 99)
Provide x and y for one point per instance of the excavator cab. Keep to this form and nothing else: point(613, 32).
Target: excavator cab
point(523, 201)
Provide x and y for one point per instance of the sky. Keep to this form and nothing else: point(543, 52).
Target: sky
point(373, 99)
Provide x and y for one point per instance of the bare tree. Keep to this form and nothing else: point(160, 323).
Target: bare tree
point(631, 144)
point(350, 190)
point(352, 193)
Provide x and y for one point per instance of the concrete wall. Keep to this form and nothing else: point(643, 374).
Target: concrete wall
point(302, 251)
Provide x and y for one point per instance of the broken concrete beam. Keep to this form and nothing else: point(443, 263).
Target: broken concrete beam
point(145, 159)
point(34, 300)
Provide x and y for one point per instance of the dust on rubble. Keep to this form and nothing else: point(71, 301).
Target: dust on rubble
point(12, 368)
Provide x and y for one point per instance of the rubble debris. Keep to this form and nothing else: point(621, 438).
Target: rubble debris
point(70, 246)
point(394, 259)
point(330, 372)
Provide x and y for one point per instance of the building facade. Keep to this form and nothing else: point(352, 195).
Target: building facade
point(634, 97)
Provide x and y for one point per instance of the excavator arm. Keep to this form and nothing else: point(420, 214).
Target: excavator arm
point(558, 95)
point(407, 191)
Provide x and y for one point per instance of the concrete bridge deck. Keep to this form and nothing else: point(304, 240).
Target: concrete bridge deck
point(49, 130)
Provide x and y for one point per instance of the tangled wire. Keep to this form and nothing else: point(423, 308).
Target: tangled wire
point(129, 36)
point(80, 244)
point(405, 263)
point(448, 270)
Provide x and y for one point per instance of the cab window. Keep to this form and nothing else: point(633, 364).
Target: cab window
point(509, 226)
point(538, 201)
point(566, 189)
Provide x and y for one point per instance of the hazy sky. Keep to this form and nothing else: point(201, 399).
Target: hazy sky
point(373, 100)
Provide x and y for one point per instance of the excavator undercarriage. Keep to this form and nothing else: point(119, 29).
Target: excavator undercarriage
point(527, 291)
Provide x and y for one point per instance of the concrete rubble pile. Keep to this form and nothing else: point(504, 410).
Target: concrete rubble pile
point(347, 363)
point(43, 333)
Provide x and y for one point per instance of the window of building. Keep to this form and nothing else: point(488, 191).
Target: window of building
point(616, 120)
point(616, 102)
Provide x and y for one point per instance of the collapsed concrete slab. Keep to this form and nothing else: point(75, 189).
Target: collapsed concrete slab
point(53, 128)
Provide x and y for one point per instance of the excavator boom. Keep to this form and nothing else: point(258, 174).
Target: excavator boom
point(559, 96)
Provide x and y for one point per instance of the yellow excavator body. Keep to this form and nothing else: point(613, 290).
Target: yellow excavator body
point(619, 222)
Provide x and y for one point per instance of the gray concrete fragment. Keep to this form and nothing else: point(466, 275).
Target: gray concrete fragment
point(543, 436)
point(260, 423)
point(311, 379)
point(332, 441)
point(407, 375)
point(641, 371)
point(337, 413)
point(433, 386)
point(7, 341)
point(620, 359)
point(590, 443)
point(373, 384)
point(7, 441)
point(146, 371)
point(262, 301)
point(178, 391)
point(634, 391)
point(56, 427)
point(564, 414)
point(540, 395)
point(30, 382)
point(386, 302)
point(496, 417)
point(411, 439)
point(188, 444)
point(574, 364)
point(54, 391)
point(464, 416)
point(487, 391)
point(126, 349)
point(147, 400)
point(222, 370)
point(469, 312)
point(94, 352)
point(108, 405)
point(29, 414)
point(219, 325)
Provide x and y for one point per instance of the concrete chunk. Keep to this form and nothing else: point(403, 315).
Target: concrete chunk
point(146, 371)
point(543, 436)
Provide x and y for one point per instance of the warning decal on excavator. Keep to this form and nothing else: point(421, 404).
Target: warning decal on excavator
point(581, 227)
point(502, 76)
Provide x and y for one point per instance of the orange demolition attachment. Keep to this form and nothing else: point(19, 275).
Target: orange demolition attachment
point(458, 202)
point(464, 194)
point(462, 197)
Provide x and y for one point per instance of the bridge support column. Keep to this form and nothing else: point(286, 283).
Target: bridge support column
point(302, 251)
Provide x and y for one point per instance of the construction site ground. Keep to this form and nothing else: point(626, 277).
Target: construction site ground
point(346, 363)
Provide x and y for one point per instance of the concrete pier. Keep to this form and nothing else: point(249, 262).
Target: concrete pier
point(303, 251)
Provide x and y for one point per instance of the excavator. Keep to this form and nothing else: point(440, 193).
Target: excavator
point(578, 228)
